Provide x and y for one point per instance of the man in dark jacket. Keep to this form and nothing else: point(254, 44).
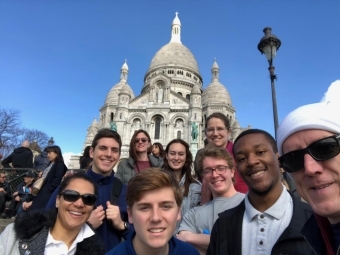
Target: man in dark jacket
point(5, 191)
point(270, 219)
point(21, 157)
point(308, 140)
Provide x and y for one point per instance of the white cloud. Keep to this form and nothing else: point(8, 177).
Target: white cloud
point(67, 157)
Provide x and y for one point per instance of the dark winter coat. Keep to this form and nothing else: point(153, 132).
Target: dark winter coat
point(51, 182)
point(21, 157)
point(226, 235)
point(7, 189)
point(41, 161)
point(32, 231)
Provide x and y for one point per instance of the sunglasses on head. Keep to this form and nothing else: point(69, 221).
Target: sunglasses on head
point(73, 196)
point(321, 150)
point(144, 140)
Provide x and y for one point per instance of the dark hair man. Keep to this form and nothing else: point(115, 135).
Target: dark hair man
point(269, 219)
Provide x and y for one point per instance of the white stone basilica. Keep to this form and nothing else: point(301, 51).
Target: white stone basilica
point(172, 98)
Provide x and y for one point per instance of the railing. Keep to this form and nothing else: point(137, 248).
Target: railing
point(15, 176)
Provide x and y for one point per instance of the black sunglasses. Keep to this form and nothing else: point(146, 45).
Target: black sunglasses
point(144, 140)
point(321, 150)
point(73, 196)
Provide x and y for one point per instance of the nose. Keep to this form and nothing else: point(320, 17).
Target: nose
point(79, 203)
point(214, 173)
point(311, 166)
point(155, 215)
point(252, 159)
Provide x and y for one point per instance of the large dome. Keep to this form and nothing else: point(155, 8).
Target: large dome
point(216, 93)
point(176, 54)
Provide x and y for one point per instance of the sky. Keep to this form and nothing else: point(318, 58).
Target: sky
point(59, 59)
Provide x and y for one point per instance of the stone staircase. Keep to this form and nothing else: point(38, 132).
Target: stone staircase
point(4, 223)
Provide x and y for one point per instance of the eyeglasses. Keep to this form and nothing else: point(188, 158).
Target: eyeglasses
point(218, 130)
point(321, 150)
point(144, 140)
point(73, 196)
point(218, 169)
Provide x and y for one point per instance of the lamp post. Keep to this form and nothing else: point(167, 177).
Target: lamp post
point(268, 45)
point(50, 142)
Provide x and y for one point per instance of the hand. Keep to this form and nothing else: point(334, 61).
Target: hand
point(184, 236)
point(40, 174)
point(113, 214)
point(17, 198)
point(2, 190)
point(97, 216)
point(26, 205)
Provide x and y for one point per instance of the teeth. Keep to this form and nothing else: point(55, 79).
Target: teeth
point(157, 230)
point(76, 213)
point(322, 187)
point(257, 173)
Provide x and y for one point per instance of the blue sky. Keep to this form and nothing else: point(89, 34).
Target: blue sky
point(59, 59)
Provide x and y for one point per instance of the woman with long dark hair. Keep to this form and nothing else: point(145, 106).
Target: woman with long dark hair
point(52, 176)
point(140, 157)
point(157, 150)
point(178, 160)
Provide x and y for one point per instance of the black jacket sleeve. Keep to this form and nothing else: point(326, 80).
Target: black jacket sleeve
point(7, 160)
point(59, 169)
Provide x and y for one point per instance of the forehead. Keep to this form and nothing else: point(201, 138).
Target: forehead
point(141, 135)
point(157, 196)
point(80, 185)
point(210, 162)
point(215, 122)
point(108, 142)
point(176, 147)
point(251, 141)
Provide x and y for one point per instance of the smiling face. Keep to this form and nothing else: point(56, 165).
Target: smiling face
point(319, 181)
point(72, 215)
point(176, 156)
point(258, 164)
point(217, 132)
point(105, 156)
point(220, 185)
point(154, 218)
point(142, 143)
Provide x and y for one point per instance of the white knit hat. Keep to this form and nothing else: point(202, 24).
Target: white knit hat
point(322, 115)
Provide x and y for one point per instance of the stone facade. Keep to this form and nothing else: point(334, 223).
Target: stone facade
point(172, 98)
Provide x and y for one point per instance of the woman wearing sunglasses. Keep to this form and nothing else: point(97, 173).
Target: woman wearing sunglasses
point(308, 140)
point(140, 157)
point(59, 231)
point(52, 176)
point(178, 160)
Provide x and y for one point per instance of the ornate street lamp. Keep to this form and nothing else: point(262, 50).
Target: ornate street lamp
point(50, 142)
point(268, 45)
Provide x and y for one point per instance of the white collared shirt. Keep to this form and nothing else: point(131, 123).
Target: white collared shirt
point(59, 247)
point(260, 231)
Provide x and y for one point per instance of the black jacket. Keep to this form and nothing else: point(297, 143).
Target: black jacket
point(32, 231)
point(7, 189)
point(41, 161)
point(21, 157)
point(226, 235)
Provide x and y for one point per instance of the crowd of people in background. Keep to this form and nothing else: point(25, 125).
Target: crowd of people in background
point(254, 196)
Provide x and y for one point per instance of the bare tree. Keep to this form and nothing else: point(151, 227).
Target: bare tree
point(34, 135)
point(9, 130)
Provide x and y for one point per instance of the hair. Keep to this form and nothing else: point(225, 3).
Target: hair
point(268, 136)
point(151, 179)
point(215, 152)
point(220, 116)
point(132, 149)
point(2, 172)
point(76, 176)
point(187, 165)
point(87, 152)
point(106, 133)
point(161, 150)
point(56, 149)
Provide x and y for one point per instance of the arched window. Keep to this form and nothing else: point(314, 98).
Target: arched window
point(180, 93)
point(157, 127)
point(120, 115)
point(195, 115)
point(187, 97)
point(111, 116)
point(179, 134)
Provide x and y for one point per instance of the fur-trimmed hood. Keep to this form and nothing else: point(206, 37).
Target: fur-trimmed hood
point(28, 224)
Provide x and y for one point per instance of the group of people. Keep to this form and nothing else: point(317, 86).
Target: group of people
point(158, 206)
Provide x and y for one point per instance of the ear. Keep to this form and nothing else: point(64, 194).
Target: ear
point(91, 152)
point(57, 201)
point(232, 171)
point(179, 214)
point(129, 211)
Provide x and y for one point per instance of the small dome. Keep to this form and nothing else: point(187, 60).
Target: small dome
point(112, 96)
point(126, 89)
point(216, 93)
point(236, 124)
point(125, 66)
point(215, 65)
point(176, 20)
point(174, 54)
point(196, 89)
